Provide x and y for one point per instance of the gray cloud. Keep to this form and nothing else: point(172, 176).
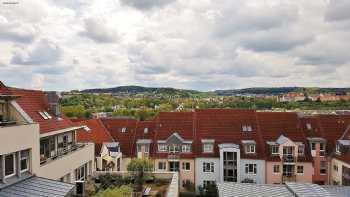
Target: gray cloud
point(99, 32)
point(338, 10)
point(146, 4)
point(16, 32)
point(44, 52)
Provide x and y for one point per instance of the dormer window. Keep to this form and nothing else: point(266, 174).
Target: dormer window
point(123, 130)
point(174, 148)
point(313, 146)
point(250, 148)
point(275, 149)
point(208, 148)
point(186, 148)
point(162, 148)
point(308, 126)
point(247, 128)
point(301, 149)
point(145, 130)
point(337, 148)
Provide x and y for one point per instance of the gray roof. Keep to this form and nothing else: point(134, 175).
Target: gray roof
point(339, 191)
point(289, 189)
point(252, 190)
point(307, 190)
point(36, 187)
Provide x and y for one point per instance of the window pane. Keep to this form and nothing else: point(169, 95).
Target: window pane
point(9, 165)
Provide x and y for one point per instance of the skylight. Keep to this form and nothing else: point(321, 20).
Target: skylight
point(45, 115)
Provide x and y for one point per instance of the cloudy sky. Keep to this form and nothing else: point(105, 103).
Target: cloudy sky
point(195, 44)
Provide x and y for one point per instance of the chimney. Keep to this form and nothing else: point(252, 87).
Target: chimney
point(53, 98)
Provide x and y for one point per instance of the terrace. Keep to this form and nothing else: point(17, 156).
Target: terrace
point(156, 183)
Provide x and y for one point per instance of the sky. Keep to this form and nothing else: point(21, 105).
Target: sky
point(189, 44)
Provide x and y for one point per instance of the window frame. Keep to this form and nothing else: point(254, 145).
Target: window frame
point(14, 165)
point(277, 167)
point(163, 163)
point(186, 148)
point(27, 158)
point(184, 166)
point(301, 147)
point(274, 147)
point(300, 167)
point(249, 149)
point(165, 146)
point(205, 147)
point(251, 168)
point(210, 165)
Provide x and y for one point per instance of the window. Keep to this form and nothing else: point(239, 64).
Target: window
point(247, 128)
point(250, 148)
point(145, 130)
point(123, 130)
point(161, 165)
point(186, 148)
point(288, 151)
point(81, 173)
point(300, 169)
point(43, 115)
point(186, 166)
point(47, 115)
point(335, 167)
point(276, 168)
point(274, 150)
point(208, 148)
point(301, 149)
point(323, 167)
point(208, 167)
point(139, 148)
point(308, 126)
point(24, 160)
point(10, 165)
point(313, 146)
point(146, 148)
point(250, 168)
point(162, 148)
point(337, 148)
point(174, 148)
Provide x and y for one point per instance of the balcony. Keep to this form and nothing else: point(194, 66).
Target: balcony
point(288, 159)
point(289, 178)
point(322, 153)
point(61, 153)
point(173, 157)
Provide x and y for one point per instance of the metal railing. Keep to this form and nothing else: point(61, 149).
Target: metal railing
point(62, 152)
point(288, 158)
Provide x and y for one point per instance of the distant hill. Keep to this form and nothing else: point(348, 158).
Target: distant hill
point(133, 90)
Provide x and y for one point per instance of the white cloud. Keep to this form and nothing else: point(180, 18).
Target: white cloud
point(207, 44)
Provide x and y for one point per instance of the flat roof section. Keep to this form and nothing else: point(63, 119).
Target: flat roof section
point(36, 187)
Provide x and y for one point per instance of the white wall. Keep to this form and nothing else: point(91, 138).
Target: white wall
point(201, 176)
point(67, 164)
point(260, 168)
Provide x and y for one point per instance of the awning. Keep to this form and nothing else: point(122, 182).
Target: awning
point(36, 187)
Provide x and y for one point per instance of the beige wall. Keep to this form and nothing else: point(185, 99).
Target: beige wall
point(124, 163)
point(271, 177)
point(67, 164)
point(306, 177)
point(337, 176)
point(20, 137)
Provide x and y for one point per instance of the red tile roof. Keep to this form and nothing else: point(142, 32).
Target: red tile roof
point(115, 126)
point(275, 124)
point(97, 134)
point(225, 126)
point(33, 101)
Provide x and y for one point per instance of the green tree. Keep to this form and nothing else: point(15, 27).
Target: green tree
point(123, 191)
point(138, 168)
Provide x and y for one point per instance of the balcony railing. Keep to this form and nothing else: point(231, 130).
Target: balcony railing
point(288, 158)
point(61, 152)
point(289, 178)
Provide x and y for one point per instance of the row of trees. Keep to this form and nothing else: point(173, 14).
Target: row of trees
point(80, 106)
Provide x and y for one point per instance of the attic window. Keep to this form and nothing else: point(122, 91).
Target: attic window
point(145, 130)
point(247, 128)
point(43, 115)
point(308, 126)
point(87, 128)
point(123, 130)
